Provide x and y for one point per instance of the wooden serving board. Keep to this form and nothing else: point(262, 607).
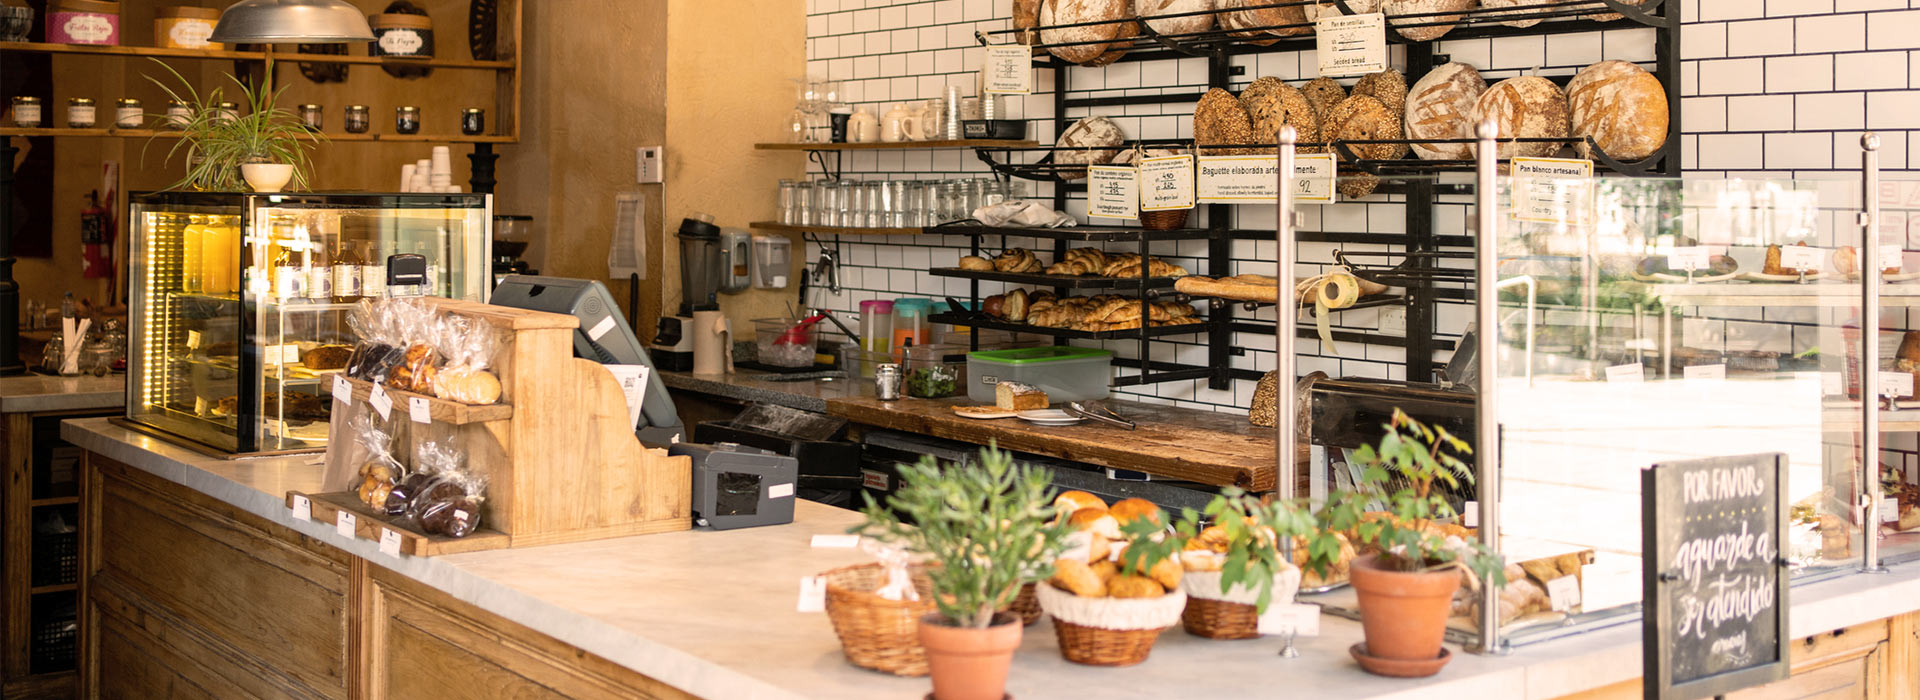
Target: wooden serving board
point(369, 524)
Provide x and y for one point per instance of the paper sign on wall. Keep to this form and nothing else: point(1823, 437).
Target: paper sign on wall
point(1313, 178)
point(1351, 44)
point(1237, 179)
point(1112, 192)
point(1166, 183)
point(1008, 70)
point(1553, 190)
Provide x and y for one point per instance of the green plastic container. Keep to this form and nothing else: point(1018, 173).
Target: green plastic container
point(1065, 373)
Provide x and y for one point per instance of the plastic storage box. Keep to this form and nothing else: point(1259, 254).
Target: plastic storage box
point(1065, 373)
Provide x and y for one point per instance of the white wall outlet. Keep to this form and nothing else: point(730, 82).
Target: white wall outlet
point(652, 163)
point(1393, 319)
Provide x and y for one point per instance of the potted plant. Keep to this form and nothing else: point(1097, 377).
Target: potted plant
point(1406, 584)
point(1234, 566)
point(984, 529)
point(262, 149)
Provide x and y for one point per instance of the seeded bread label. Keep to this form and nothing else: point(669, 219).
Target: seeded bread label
point(1112, 192)
point(1351, 44)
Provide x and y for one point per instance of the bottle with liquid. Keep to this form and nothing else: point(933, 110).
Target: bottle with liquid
point(288, 269)
point(373, 277)
point(347, 268)
point(319, 270)
point(193, 265)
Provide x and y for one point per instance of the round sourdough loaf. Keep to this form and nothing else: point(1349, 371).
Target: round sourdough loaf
point(1270, 17)
point(1093, 141)
point(1057, 12)
point(1433, 26)
point(1361, 118)
point(1026, 17)
point(1611, 16)
point(1390, 88)
point(1440, 106)
point(1122, 40)
point(1620, 105)
point(1328, 9)
point(1525, 107)
point(1242, 22)
point(1175, 25)
point(1526, 7)
point(1323, 93)
point(1271, 103)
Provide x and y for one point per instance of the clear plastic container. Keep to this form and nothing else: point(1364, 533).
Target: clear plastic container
point(783, 343)
point(772, 256)
point(934, 371)
point(1065, 373)
point(876, 325)
point(912, 323)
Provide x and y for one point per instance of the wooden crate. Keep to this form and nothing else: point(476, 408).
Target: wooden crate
point(558, 451)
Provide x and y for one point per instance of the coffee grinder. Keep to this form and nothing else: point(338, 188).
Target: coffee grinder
point(512, 233)
point(703, 265)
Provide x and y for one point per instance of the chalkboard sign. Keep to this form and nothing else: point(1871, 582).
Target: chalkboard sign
point(1714, 577)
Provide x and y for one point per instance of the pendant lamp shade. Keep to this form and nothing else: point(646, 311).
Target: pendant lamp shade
point(291, 22)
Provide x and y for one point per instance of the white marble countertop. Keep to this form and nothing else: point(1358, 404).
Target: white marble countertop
point(35, 393)
point(713, 613)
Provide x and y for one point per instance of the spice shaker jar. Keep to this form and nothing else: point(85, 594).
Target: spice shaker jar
point(406, 120)
point(80, 113)
point(473, 121)
point(358, 119)
point(886, 381)
point(312, 116)
point(26, 111)
point(127, 113)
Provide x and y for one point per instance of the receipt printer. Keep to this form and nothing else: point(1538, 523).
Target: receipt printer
point(739, 486)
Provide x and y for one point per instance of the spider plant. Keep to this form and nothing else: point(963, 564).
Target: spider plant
point(217, 145)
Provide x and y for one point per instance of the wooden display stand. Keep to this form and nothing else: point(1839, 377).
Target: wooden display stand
point(559, 452)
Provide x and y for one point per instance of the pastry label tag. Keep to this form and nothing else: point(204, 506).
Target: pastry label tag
point(1800, 257)
point(601, 328)
point(1890, 257)
point(1351, 44)
point(1633, 372)
point(1896, 384)
point(342, 391)
point(1237, 179)
point(389, 542)
point(193, 340)
point(836, 541)
point(419, 410)
point(1313, 179)
point(1705, 372)
point(1166, 183)
point(813, 594)
point(1112, 192)
point(381, 401)
point(1563, 593)
point(780, 491)
point(1470, 513)
point(1008, 70)
point(343, 521)
point(1689, 258)
point(1302, 619)
point(1079, 545)
point(873, 479)
point(1889, 510)
point(1553, 190)
point(302, 507)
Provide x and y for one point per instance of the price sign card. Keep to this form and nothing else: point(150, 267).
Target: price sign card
point(1113, 192)
point(419, 410)
point(1237, 179)
point(1895, 384)
point(381, 401)
point(1008, 70)
point(343, 522)
point(342, 391)
point(1890, 257)
point(813, 594)
point(1689, 258)
point(302, 507)
point(1553, 190)
point(1563, 593)
point(1800, 257)
point(1633, 372)
point(1166, 183)
point(1351, 44)
point(1295, 618)
point(389, 542)
point(1313, 178)
point(1704, 372)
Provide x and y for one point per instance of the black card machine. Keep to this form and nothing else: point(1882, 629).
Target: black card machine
point(737, 486)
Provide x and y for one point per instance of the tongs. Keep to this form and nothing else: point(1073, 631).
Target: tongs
point(1099, 413)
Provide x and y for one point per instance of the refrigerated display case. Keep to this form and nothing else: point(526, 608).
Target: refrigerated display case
point(239, 302)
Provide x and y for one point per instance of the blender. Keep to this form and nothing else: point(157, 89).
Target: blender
point(703, 267)
point(512, 233)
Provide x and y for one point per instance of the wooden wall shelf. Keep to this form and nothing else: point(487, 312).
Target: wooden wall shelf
point(883, 146)
point(442, 410)
point(157, 52)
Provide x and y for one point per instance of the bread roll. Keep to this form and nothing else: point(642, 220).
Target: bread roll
point(1132, 509)
point(1357, 184)
point(1440, 106)
point(1435, 26)
point(1219, 119)
point(975, 262)
point(1528, 9)
point(1057, 12)
point(1360, 118)
point(1106, 569)
point(1271, 103)
point(1620, 105)
point(1167, 573)
point(1175, 25)
point(1070, 502)
point(1076, 577)
point(1097, 140)
point(1390, 88)
point(1525, 107)
point(1134, 587)
point(1099, 521)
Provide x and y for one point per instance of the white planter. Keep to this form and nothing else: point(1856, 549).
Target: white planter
point(266, 177)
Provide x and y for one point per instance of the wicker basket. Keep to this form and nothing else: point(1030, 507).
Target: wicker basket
point(876, 633)
point(1027, 606)
point(1109, 631)
point(1094, 646)
point(1164, 220)
point(1219, 619)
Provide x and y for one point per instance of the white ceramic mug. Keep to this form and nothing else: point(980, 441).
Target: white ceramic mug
point(863, 127)
point(900, 124)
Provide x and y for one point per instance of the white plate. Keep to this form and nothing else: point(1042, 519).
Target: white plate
point(1682, 279)
point(1764, 277)
point(1050, 416)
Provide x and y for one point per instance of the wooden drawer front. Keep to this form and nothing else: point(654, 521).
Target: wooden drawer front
point(260, 605)
point(155, 663)
point(424, 644)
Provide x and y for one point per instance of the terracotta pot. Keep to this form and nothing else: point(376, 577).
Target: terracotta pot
point(968, 663)
point(1404, 614)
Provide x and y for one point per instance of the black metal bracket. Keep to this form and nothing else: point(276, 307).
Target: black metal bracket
point(483, 158)
point(821, 158)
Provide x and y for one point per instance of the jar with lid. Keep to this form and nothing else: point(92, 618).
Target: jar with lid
point(226, 111)
point(358, 119)
point(80, 113)
point(178, 114)
point(26, 111)
point(312, 116)
point(406, 120)
point(127, 113)
point(473, 121)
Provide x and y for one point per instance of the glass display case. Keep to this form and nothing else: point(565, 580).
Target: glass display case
point(239, 302)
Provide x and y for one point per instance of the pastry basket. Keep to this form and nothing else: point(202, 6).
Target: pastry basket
point(1164, 220)
point(877, 633)
point(1108, 631)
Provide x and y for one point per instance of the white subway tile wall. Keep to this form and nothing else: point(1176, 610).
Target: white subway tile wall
point(1772, 88)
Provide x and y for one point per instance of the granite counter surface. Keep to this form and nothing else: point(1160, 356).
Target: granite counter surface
point(713, 612)
point(37, 393)
point(806, 395)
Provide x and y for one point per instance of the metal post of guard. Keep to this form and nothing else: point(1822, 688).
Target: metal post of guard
point(1283, 315)
point(1486, 444)
point(1870, 353)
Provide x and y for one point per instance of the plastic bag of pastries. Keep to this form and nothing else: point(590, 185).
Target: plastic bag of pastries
point(469, 348)
point(378, 470)
point(446, 499)
point(379, 347)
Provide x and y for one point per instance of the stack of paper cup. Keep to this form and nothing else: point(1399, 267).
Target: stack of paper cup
point(406, 177)
point(442, 174)
point(423, 175)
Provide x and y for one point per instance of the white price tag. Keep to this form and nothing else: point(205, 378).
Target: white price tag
point(1705, 372)
point(1314, 178)
point(343, 523)
point(1237, 179)
point(1113, 192)
point(389, 542)
point(1166, 183)
point(419, 410)
point(1470, 514)
point(1889, 510)
point(1891, 257)
point(193, 340)
point(813, 594)
point(1896, 384)
point(270, 356)
point(1563, 593)
point(1831, 385)
point(836, 541)
point(780, 491)
point(1800, 257)
point(1079, 545)
point(342, 391)
point(1689, 258)
point(1634, 372)
point(381, 401)
point(302, 507)
point(1301, 619)
point(1553, 190)
point(1008, 70)
point(601, 328)
point(1351, 44)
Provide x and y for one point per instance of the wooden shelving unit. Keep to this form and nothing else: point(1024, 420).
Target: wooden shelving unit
point(898, 145)
point(442, 410)
point(277, 55)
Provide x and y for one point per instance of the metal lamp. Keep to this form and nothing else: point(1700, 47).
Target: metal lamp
point(291, 22)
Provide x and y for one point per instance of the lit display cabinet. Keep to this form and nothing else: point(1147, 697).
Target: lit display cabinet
point(239, 302)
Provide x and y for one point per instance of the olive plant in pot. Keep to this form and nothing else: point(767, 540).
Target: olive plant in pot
point(983, 529)
point(264, 149)
point(1406, 584)
point(1234, 566)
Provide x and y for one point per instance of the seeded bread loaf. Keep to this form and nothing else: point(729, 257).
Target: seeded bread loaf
point(1058, 12)
point(1431, 26)
point(1360, 118)
point(1440, 106)
point(1323, 93)
point(1620, 105)
point(1175, 25)
point(1611, 16)
point(1390, 88)
point(1271, 103)
point(1219, 119)
point(1525, 107)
